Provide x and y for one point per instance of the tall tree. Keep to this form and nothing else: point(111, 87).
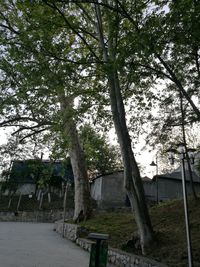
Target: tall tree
point(133, 184)
point(95, 46)
point(36, 91)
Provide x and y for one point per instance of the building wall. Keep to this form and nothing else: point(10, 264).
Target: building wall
point(96, 189)
point(172, 189)
point(26, 189)
point(150, 190)
point(109, 191)
point(113, 189)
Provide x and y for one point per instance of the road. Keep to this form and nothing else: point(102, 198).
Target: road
point(37, 245)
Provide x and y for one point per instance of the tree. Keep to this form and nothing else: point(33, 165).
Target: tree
point(101, 157)
point(133, 183)
point(43, 59)
point(97, 46)
point(37, 95)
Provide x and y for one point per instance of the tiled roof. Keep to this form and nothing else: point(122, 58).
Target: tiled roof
point(177, 176)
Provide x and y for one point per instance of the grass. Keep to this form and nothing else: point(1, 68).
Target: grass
point(167, 220)
point(169, 227)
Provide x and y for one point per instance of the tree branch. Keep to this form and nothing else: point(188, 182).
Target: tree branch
point(17, 118)
point(53, 6)
point(197, 60)
point(32, 134)
point(179, 85)
point(154, 70)
point(9, 27)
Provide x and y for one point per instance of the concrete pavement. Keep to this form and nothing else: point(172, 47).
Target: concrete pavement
point(37, 245)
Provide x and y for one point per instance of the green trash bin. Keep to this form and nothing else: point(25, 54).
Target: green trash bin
point(99, 251)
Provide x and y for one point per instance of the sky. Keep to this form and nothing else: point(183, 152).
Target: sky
point(2, 136)
point(144, 158)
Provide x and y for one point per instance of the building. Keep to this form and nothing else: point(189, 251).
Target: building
point(25, 174)
point(169, 185)
point(108, 190)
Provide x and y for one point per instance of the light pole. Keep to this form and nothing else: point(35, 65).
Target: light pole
point(153, 164)
point(182, 154)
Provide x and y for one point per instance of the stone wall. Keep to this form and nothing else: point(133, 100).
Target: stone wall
point(68, 230)
point(33, 216)
point(115, 256)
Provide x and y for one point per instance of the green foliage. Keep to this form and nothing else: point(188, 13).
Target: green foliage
point(171, 248)
point(8, 184)
point(50, 49)
point(40, 172)
point(100, 155)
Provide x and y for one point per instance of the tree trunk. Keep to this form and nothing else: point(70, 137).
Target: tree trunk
point(19, 201)
point(39, 192)
point(41, 200)
point(186, 148)
point(9, 203)
point(82, 198)
point(49, 197)
point(132, 179)
point(64, 209)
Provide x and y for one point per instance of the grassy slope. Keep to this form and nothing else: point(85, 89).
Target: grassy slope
point(168, 223)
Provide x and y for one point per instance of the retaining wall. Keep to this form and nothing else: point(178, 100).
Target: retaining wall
point(115, 256)
point(33, 216)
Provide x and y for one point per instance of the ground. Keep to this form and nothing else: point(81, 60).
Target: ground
point(37, 245)
point(168, 224)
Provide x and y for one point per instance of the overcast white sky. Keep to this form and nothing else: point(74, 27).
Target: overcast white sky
point(2, 136)
point(144, 158)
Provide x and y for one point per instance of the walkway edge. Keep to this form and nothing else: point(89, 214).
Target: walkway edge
point(115, 256)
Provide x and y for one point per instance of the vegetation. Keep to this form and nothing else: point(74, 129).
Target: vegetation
point(169, 226)
point(32, 204)
point(101, 157)
point(64, 62)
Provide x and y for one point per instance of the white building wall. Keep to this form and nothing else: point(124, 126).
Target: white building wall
point(96, 189)
point(26, 189)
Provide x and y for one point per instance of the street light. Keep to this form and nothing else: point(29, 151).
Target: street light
point(191, 154)
point(182, 153)
point(153, 164)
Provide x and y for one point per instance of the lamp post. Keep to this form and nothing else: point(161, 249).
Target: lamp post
point(155, 164)
point(182, 154)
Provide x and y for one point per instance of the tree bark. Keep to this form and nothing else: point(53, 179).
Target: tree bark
point(132, 179)
point(186, 148)
point(82, 198)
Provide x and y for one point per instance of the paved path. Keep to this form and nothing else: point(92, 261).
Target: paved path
point(37, 245)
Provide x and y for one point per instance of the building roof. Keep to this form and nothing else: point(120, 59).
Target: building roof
point(105, 175)
point(177, 176)
point(146, 179)
point(25, 171)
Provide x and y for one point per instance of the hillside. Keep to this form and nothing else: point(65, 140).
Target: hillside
point(168, 223)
